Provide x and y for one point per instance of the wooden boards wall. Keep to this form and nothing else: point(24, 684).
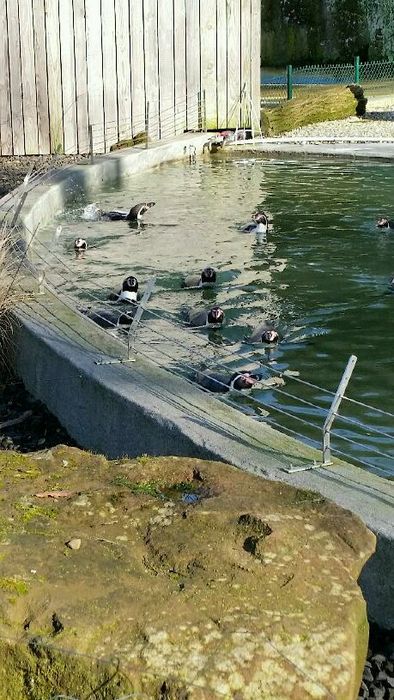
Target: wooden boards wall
point(68, 64)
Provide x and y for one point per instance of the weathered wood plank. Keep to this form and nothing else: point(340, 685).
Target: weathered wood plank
point(137, 66)
point(255, 61)
point(109, 75)
point(5, 95)
point(208, 61)
point(151, 65)
point(221, 63)
point(15, 77)
point(54, 77)
point(81, 76)
point(28, 75)
point(41, 76)
point(95, 75)
point(246, 57)
point(165, 25)
point(67, 53)
point(233, 62)
point(180, 65)
point(123, 67)
point(193, 58)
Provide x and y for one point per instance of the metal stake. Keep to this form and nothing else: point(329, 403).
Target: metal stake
point(90, 130)
point(147, 125)
point(333, 410)
point(141, 308)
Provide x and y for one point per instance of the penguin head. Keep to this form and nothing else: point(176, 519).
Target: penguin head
point(80, 244)
point(382, 222)
point(260, 217)
point(242, 380)
point(130, 284)
point(208, 275)
point(269, 336)
point(216, 315)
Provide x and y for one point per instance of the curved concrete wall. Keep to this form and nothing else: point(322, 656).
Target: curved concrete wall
point(137, 407)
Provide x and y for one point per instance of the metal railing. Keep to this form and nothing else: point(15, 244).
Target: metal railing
point(278, 86)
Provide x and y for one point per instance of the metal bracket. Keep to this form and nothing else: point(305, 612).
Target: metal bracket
point(315, 465)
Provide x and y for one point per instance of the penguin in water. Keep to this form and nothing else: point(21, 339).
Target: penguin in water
point(128, 293)
point(93, 213)
point(224, 382)
point(80, 247)
point(382, 222)
point(264, 333)
point(259, 224)
point(199, 318)
point(107, 318)
point(207, 278)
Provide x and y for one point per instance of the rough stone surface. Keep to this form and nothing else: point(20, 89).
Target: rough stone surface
point(203, 582)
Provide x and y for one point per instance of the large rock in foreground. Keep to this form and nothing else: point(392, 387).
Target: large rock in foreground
point(188, 579)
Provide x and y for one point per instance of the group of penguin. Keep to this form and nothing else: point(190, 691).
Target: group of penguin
point(212, 317)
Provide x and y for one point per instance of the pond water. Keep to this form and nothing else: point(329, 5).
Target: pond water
point(322, 276)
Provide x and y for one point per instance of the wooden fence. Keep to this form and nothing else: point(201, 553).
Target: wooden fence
point(68, 64)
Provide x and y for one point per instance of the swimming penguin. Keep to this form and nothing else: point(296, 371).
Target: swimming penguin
point(207, 278)
point(222, 382)
point(80, 245)
point(382, 222)
point(258, 225)
point(135, 214)
point(264, 334)
point(93, 213)
point(106, 318)
point(128, 293)
point(206, 317)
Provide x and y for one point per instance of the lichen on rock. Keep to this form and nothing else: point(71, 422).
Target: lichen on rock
point(205, 582)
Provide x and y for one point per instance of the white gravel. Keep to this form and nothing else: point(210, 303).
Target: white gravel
point(377, 123)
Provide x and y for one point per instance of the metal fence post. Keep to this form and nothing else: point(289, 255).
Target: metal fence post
point(147, 125)
point(289, 82)
point(204, 109)
point(90, 130)
point(199, 114)
point(141, 308)
point(334, 408)
point(357, 69)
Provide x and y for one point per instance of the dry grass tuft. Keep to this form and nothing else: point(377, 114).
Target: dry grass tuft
point(11, 294)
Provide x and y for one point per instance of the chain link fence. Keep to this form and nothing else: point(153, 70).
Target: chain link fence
point(277, 85)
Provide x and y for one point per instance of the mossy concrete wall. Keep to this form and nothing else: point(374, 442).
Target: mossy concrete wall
point(316, 31)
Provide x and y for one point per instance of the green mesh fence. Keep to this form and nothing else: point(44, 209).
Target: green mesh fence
point(376, 76)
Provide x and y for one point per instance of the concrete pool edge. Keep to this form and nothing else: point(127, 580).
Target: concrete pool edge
point(45, 359)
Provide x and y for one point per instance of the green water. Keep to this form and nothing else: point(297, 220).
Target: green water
point(322, 276)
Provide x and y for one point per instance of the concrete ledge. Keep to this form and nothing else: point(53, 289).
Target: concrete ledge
point(121, 409)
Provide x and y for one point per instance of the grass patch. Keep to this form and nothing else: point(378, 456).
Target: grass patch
point(13, 585)
point(325, 104)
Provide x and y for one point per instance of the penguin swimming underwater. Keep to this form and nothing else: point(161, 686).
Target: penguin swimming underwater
point(205, 317)
point(222, 382)
point(107, 318)
point(93, 213)
point(382, 222)
point(128, 293)
point(258, 225)
point(263, 334)
point(207, 278)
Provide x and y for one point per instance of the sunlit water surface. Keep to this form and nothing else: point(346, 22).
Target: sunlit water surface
point(322, 276)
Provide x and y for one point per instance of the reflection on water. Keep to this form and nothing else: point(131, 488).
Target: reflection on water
point(321, 276)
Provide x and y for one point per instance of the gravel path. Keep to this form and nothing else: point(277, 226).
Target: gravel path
point(378, 123)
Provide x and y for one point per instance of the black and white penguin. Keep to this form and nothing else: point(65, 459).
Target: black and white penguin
point(259, 224)
point(224, 382)
point(206, 317)
point(382, 222)
point(128, 293)
point(135, 214)
point(80, 245)
point(107, 318)
point(93, 213)
point(207, 278)
point(264, 333)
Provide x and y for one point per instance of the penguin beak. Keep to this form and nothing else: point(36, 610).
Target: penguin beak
point(250, 379)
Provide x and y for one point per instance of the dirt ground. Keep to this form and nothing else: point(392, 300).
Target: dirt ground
point(14, 168)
